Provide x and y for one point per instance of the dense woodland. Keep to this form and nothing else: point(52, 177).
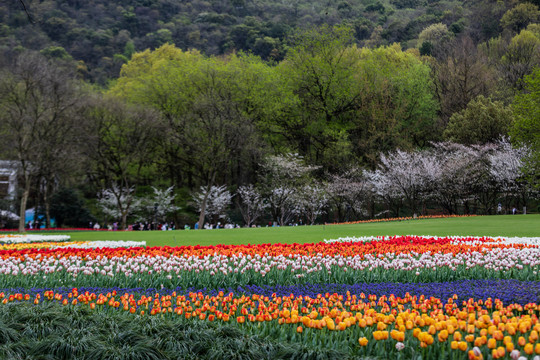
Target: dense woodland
point(102, 35)
point(252, 111)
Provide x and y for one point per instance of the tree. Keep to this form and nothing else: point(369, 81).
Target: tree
point(384, 188)
point(514, 58)
point(350, 103)
point(483, 121)
point(396, 106)
point(56, 52)
point(320, 69)
point(312, 201)
point(526, 127)
point(118, 203)
point(281, 178)
point(409, 173)
point(462, 73)
point(458, 169)
point(434, 34)
point(517, 18)
point(39, 103)
point(120, 146)
point(471, 175)
point(521, 56)
point(426, 48)
point(158, 205)
point(211, 106)
point(506, 166)
point(484, 189)
point(347, 193)
point(216, 201)
point(251, 203)
point(68, 209)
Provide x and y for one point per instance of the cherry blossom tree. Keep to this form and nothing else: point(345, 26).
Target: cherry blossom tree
point(312, 200)
point(281, 178)
point(506, 167)
point(383, 188)
point(484, 188)
point(404, 175)
point(159, 204)
point(118, 202)
point(348, 192)
point(457, 171)
point(283, 204)
point(251, 203)
point(453, 175)
point(506, 164)
point(217, 199)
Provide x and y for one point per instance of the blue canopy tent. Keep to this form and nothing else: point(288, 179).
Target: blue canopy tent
point(29, 217)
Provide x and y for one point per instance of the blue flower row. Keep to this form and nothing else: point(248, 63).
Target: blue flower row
point(508, 291)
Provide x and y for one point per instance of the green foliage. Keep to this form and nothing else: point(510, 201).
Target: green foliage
point(435, 33)
point(95, 30)
point(400, 4)
point(321, 71)
point(56, 52)
point(426, 48)
point(129, 49)
point(483, 121)
point(520, 16)
point(457, 27)
point(212, 107)
point(397, 102)
point(50, 331)
point(515, 57)
point(67, 207)
point(350, 100)
point(376, 6)
point(526, 127)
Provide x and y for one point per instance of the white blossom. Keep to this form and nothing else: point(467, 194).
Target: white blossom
point(251, 203)
point(217, 201)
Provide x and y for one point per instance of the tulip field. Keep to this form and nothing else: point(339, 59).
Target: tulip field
point(387, 297)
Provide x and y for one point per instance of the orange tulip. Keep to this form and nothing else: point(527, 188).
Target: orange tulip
point(363, 341)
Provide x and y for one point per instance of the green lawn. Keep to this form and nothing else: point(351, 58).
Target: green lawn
point(502, 225)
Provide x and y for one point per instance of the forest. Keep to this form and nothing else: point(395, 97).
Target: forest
point(252, 112)
point(101, 35)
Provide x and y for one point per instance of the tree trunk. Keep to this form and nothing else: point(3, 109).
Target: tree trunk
point(22, 210)
point(47, 207)
point(124, 221)
point(47, 215)
point(203, 208)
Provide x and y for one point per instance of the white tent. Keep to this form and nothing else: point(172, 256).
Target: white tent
point(8, 215)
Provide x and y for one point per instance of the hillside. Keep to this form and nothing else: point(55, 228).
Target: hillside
point(103, 35)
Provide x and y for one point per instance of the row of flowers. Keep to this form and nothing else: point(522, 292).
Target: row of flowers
point(28, 239)
point(507, 291)
point(73, 245)
point(535, 241)
point(481, 329)
point(398, 259)
point(405, 218)
point(53, 230)
point(377, 247)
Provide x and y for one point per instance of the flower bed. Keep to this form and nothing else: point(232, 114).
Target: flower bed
point(405, 218)
point(399, 259)
point(425, 325)
point(409, 296)
point(22, 239)
point(73, 245)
